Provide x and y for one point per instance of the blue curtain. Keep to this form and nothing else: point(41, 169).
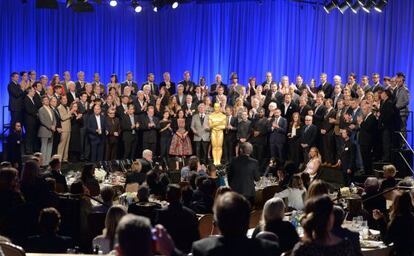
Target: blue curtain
point(249, 37)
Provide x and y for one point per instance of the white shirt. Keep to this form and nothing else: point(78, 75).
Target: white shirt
point(49, 110)
point(98, 121)
point(294, 196)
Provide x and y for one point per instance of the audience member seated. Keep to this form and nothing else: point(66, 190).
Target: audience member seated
point(318, 237)
point(193, 166)
point(157, 183)
point(106, 241)
point(11, 200)
point(48, 241)
point(203, 196)
point(107, 196)
point(231, 215)
point(214, 176)
point(371, 188)
point(400, 228)
point(78, 188)
point(89, 180)
point(144, 207)
point(135, 175)
point(135, 237)
point(389, 177)
point(180, 221)
point(317, 188)
point(272, 221)
point(146, 161)
point(33, 186)
point(55, 172)
point(295, 193)
point(341, 232)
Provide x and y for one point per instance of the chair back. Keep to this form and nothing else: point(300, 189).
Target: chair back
point(255, 217)
point(10, 249)
point(96, 223)
point(270, 191)
point(205, 225)
point(132, 187)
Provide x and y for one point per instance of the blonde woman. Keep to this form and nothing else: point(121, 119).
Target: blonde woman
point(312, 167)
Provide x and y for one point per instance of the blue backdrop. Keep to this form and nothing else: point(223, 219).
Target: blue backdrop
point(249, 37)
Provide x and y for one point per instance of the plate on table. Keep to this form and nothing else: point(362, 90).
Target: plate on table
point(370, 244)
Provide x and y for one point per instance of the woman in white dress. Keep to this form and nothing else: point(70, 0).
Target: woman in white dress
point(312, 167)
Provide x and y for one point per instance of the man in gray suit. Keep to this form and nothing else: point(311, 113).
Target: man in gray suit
point(47, 127)
point(402, 101)
point(201, 130)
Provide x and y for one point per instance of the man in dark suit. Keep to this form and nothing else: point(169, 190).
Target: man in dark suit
point(130, 125)
point(168, 84)
point(347, 156)
point(368, 130)
point(277, 139)
point(259, 136)
point(189, 106)
point(230, 139)
point(187, 83)
point(180, 221)
point(288, 107)
point(30, 121)
point(327, 132)
point(150, 126)
point(130, 83)
point(146, 161)
point(337, 95)
point(308, 137)
point(388, 120)
point(153, 86)
point(376, 85)
point(83, 108)
point(56, 173)
point(71, 93)
point(16, 96)
point(97, 132)
point(80, 84)
point(231, 215)
point(325, 86)
point(217, 84)
point(122, 109)
point(57, 133)
point(113, 127)
point(243, 172)
point(38, 94)
point(303, 108)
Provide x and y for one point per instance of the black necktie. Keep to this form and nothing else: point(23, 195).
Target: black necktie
point(202, 120)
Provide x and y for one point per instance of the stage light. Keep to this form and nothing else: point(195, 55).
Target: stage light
point(174, 5)
point(344, 6)
point(156, 5)
point(113, 3)
point(155, 9)
point(379, 7)
point(367, 5)
point(330, 6)
point(355, 7)
point(136, 6)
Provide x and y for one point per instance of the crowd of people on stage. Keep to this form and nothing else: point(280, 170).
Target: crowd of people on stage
point(343, 124)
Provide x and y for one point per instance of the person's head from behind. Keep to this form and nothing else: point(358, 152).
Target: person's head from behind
point(55, 164)
point(77, 187)
point(371, 185)
point(319, 218)
point(402, 205)
point(8, 179)
point(389, 171)
point(317, 188)
point(134, 236)
point(51, 184)
point(30, 172)
point(143, 193)
point(296, 182)
point(193, 163)
point(88, 171)
point(246, 149)
point(232, 214)
point(173, 194)
point(273, 210)
point(113, 216)
point(107, 194)
point(136, 166)
point(147, 155)
point(222, 190)
point(49, 220)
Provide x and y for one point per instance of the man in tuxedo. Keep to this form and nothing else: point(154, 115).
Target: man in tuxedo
point(325, 86)
point(259, 136)
point(152, 85)
point(230, 139)
point(368, 130)
point(347, 156)
point(47, 127)
point(308, 137)
point(327, 132)
point(130, 125)
point(128, 82)
point(231, 215)
point(243, 172)
point(376, 85)
point(201, 131)
point(80, 84)
point(150, 125)
point(277, 139)
point(97, 132)
point(187, 83)
point(16, 96)
point(217, 84)
point(30, 121)
point(288, 107)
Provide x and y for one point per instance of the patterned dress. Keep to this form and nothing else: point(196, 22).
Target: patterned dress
point(181, 146)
